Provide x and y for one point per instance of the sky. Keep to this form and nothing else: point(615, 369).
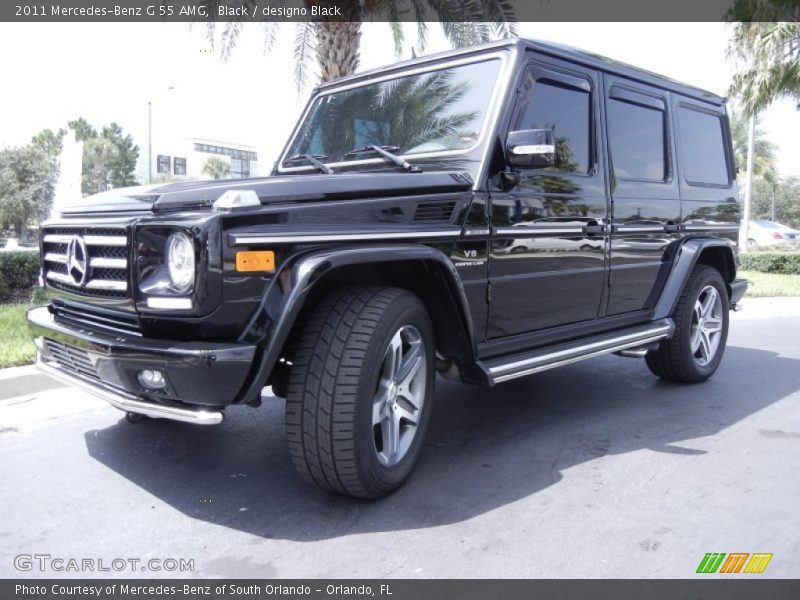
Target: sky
point(109, 72)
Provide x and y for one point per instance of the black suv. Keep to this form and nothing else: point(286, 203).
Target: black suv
point(483, 214)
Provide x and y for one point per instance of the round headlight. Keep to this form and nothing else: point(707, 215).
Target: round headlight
point(180, 261)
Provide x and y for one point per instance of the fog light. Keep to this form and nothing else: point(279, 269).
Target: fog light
point(152, 380)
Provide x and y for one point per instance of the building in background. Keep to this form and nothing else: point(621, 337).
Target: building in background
point(185, 159)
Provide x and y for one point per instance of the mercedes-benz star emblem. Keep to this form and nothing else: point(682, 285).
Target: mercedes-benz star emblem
point(77, 261)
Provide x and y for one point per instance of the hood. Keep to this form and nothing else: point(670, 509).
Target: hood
point(293, 188)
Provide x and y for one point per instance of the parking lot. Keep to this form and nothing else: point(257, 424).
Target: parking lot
point(597, 469)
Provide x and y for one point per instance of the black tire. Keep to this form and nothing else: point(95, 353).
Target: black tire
point(674, 358)
point(336, 367)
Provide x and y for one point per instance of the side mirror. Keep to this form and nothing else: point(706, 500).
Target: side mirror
point(534, 148)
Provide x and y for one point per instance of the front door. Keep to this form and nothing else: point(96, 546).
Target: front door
point(547, 264)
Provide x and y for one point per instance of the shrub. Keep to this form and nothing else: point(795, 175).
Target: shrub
point(5, 291)
point(771, 262)
point(19, 269)
point(39, 296)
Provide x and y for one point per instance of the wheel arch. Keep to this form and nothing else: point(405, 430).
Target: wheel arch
point(302, 283)
point(714, 252)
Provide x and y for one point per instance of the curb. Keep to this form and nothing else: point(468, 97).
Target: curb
point(24, 381)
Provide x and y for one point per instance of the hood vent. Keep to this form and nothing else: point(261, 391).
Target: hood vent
point(430, 212)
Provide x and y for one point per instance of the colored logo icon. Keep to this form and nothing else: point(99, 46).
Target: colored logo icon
point(734, 562)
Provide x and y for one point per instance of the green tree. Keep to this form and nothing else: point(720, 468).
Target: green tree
point(766, 45)
point(216, 168)
point(49, 141)
point(334, 45)
point(83, 131)
point(99, 154)
point(27, 183)
point(109, 157)
point(787, 201)
point(127, 155)
point(764, 150)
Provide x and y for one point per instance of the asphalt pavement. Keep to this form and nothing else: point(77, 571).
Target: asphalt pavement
point(597, 469)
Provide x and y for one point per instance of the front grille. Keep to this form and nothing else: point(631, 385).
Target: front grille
point(107, 250)
point(71, 358)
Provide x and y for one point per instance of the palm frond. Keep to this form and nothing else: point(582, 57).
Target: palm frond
point(229, 39)
point(270, 30)
point(305, 43)
point(768, 63)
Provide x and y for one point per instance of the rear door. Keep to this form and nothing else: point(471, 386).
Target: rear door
point(645, 205)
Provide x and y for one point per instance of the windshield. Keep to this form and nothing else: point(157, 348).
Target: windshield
point(436, 111)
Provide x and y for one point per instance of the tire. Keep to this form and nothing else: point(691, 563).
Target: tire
point(691, 356)
point(342, 400)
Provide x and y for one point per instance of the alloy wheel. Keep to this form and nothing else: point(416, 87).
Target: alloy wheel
point(706, 325)
point(400, 395)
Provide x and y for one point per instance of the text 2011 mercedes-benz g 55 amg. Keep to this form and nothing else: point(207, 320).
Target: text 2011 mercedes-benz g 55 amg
point(485, 214)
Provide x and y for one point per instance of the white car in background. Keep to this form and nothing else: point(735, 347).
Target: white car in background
point(764, 233)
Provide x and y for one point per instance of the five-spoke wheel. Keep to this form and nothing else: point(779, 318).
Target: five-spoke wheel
point(400, 396)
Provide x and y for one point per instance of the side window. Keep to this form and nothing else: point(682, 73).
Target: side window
point(703, 148)
point(637, 139)
point(567, 111)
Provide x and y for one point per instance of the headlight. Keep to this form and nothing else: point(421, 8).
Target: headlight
point(180, 262)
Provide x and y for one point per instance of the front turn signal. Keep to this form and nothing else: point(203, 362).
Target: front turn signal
point(255, 261)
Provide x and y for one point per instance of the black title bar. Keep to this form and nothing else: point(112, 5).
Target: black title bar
point(349, 10)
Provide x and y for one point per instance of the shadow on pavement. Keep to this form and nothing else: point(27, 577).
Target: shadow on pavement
point(485, 447)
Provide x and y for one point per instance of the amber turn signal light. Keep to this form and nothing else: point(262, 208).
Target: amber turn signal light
point(255, 261)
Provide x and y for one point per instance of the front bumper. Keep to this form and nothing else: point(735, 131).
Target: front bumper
point(201, 378)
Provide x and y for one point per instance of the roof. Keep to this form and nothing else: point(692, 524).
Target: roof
point(562, 51)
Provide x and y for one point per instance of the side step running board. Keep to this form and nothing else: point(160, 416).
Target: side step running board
point(526, 363)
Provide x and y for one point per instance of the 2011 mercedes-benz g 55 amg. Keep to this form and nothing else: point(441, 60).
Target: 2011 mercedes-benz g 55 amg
point(485, 214)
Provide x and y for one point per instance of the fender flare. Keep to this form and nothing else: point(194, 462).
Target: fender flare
point(685, 259)
point(286, 294)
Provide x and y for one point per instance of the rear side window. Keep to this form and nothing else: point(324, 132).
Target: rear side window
point(637, 139)
point(565, 110)
point(704, 161)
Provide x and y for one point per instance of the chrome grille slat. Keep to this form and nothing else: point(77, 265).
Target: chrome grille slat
point(91, 240)
point(56, 258)
point(101, 262)
point(93, 284)
point(107, 284)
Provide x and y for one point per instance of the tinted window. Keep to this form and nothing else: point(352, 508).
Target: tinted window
point(636, 137)
point(703, 148)
point(565, 110)
point(436, 111)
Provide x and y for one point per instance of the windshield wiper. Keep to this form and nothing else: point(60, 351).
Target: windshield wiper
point(313, 159)
point(386, 152)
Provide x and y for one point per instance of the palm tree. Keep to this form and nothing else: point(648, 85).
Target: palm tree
point(766, 45)
point(763, 153)
point(334, 43)
point(216, 168)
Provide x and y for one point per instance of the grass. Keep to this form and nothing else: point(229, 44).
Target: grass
point(16, 347)
point(770, 284)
